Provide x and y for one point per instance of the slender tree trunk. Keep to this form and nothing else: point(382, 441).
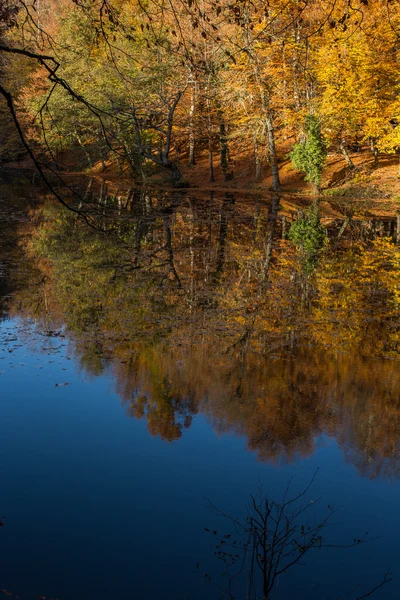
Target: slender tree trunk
point(210, 134)
point(192, 159)
point(84, 149)
point(210, 160)
point(256, 219)
point(225, 161)
point(343, 228)
point(296, 66)
point(267, 116)
point(284, 227)
point(257, 161)
point(276, 184)
point(225, 157)
point(346, 155)
point(375, 152)
point(108, 148)
point(267, 113)
point(162, 157)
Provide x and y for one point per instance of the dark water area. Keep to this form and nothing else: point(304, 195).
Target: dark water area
point(175, 350)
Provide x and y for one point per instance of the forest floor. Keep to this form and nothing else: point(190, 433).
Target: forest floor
point(372, 190)
point(364, 182)
point(377, 187)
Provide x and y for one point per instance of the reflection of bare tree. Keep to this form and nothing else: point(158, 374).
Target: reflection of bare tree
point(274, 537)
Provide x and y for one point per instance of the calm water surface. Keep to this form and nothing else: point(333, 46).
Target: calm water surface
point(181, 352)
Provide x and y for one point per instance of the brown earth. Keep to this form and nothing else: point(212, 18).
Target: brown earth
point(376, 188)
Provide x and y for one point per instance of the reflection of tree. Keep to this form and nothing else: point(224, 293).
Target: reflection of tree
point(271, 541)
point(358, 301)
point(14, 270)
point(151, 394)
point(199, 306)
point(303, 394)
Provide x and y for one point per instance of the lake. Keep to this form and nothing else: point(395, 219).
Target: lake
point(174, 350)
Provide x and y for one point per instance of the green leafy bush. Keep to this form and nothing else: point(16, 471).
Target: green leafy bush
point(309, 156)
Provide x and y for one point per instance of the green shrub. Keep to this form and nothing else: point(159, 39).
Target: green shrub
point(309, 156)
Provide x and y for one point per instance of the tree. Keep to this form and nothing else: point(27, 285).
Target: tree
point(357, 70)
point(145, 84)
point(309, 155)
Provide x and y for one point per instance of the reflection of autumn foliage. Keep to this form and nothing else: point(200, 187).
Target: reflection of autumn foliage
point(307, 393)
point(279, 404)
point(207, 310)
point(359, 300)
point(149, 393)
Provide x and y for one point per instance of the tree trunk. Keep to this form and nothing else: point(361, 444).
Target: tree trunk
point(138, 166)
point(177, 177)
point(225, 157)
point(343, 228)
point(192, 160)
point(210, 134)
point(257, 161)
point(375, 152)
point(265, 97)
point(284, 227)
point(398, 171)
point(276, 184)
point(134, 160)
point(346, 155)
point(211, 161)
point(84, 150)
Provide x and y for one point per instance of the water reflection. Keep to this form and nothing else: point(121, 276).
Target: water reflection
point(202, 305)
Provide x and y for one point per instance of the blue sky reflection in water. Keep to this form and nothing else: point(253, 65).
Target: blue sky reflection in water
point(96, 507)
point(104, 499)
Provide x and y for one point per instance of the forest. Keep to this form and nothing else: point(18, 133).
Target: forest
point(173, 87)
point(199, 296)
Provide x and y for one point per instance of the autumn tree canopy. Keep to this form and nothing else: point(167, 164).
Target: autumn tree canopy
point(156, 83)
